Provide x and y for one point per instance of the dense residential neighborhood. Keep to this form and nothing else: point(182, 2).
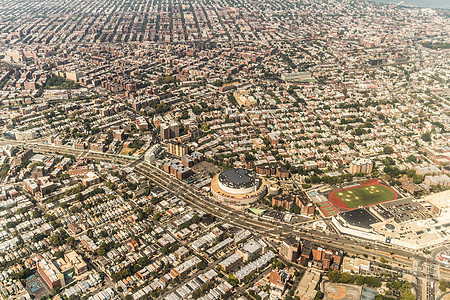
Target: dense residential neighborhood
point(224, 150)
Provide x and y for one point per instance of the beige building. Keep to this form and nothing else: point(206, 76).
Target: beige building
point(361, 165)
point(76, 261)
point(73, 75)
point(306, 289)
point(289, 249)
point(440, 203)
point(244, 98)
point(177, 149)
point(355, 265)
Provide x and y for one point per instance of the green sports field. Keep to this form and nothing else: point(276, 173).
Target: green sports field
point(365, 195)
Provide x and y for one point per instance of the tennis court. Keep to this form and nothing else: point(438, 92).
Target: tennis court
point(33, 284)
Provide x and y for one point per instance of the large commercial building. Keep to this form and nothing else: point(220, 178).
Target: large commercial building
point(298, 77)
point(306, 289)
point(355, 265)
point(238, 186)
point(440, 203)
point(402, 222)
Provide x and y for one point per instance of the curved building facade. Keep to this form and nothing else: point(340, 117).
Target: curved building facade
point(238, 186)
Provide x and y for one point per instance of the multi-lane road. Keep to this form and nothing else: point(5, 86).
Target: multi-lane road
point(402, 260)
point(238, 217)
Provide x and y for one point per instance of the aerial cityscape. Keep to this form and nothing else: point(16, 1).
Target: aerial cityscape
point(224, 149)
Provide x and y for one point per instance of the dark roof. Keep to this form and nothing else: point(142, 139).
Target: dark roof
point(360, 217)
point(291, 240)
point(238, 178)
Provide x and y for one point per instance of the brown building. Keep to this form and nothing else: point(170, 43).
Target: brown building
point(118, 134)
point(31, 185)
point(319, 257)
point(282, 172)
point(273, 170)
point(79, 144)
point(175, 168)
point(38, 172)
point(273, 138)
point(74, 229)
point(409, 185)
point(50, 273)
point(169, 130)
point(191, 160)
point(98, 147)
point(288, 200)
point(90, 179)
point(279, 278)
point(22, 156)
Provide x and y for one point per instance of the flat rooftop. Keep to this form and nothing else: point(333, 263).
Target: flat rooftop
point(360, 217)
point(238, 178)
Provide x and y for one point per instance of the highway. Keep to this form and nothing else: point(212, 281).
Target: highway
point(270, 229)
point(400, 260)
point(236, 217)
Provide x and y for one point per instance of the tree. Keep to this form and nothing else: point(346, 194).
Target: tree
point(444, 285)
point(359, 279)
point(71, 241)
point(411, 158)
point(233, 280)
point(333, 276)
point(388, 150)
point(55, 291)
point(372, 282)
point(197, 110)
point(319, 295)
point(101, 251)
point(203, 264)
point(426, 137)
point(37, 213)
point(346, 278)
point(407, 295)
point(249, 157)
point(22, 274)
point(157, 216)
point(73, 209)
point(79, 197)
point(359, 131)
point(295, 209)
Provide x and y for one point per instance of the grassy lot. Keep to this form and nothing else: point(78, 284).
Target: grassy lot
point(365, 195)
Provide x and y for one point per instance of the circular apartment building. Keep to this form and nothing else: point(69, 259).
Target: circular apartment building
point(238, 186)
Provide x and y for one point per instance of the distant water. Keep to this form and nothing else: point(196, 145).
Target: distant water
point(421, 3)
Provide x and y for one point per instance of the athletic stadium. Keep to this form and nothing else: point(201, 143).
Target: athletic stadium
point(239, 187)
